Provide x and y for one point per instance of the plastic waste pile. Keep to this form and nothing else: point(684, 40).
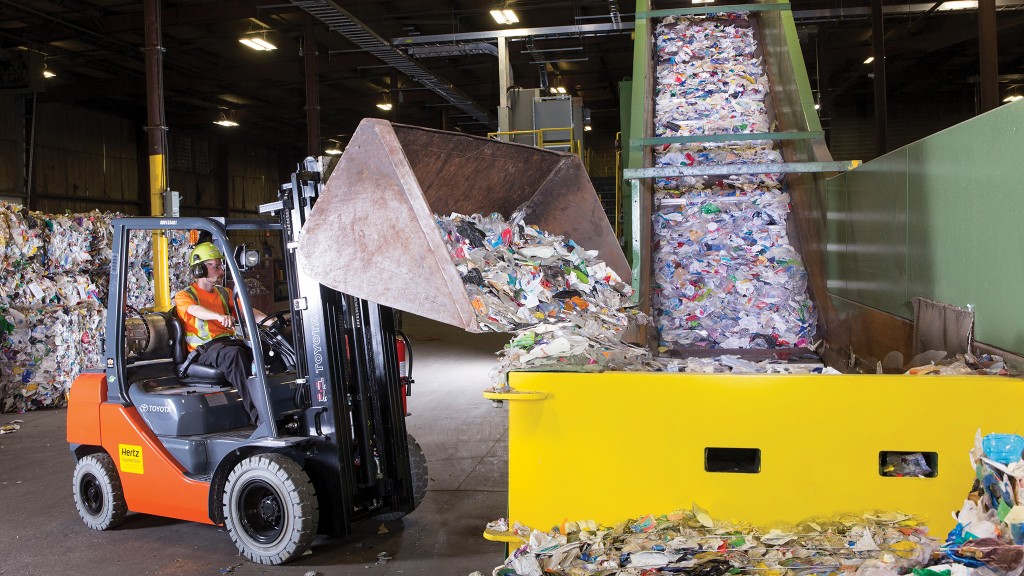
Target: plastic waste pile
point(566, 307)
point(725, 273)
point(989, 535)
point(140, 265)
point(732, 364)
point(964, 365)
point(53, 298)
point(691, 542)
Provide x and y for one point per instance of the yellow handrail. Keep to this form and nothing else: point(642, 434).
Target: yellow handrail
point(575, 146)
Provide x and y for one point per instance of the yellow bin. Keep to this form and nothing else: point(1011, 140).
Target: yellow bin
point(764, 449)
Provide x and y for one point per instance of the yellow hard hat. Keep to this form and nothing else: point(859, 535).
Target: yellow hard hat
point(202, 252)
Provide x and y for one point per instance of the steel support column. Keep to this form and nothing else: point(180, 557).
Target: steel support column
point(878, 45)
point(156, 130)
point(309, 55)
point(504, 82)
point(988, 56)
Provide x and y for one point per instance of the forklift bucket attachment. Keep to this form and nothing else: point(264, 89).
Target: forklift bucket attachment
point(372, 233)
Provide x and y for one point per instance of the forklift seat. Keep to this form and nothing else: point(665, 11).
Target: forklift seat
point(190, 372)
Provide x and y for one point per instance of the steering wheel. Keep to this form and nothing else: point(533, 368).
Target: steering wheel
point(272, 333)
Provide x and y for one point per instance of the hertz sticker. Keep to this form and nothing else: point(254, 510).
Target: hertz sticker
point(131, 458)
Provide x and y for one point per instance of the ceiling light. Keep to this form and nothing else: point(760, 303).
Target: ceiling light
point(384, 105)
point(817, 106)
point(958, 5)
point(333, 151)
point(587, 127)
point(504, 16)
point(257, 43)
point(561, 89)
point(869, 60)
point(702, 1)
point(1013, 98)
point(48, 74)
point(225, 121)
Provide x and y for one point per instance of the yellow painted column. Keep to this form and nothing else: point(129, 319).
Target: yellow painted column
point(161, 278)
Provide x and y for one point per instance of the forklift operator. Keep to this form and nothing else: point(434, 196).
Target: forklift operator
point(207, 310)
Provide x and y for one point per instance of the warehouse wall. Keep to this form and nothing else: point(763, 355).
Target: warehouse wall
point(11, 146)
point(850, 130)
point(86, 160)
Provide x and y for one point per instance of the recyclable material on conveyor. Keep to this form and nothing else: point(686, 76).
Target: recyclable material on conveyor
point(724, 272)
point(53, 294)
point(568, 309)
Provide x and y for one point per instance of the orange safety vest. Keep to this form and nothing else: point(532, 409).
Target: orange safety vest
point(198, 332)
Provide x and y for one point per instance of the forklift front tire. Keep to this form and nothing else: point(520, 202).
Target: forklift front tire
point(270, 509)
point(98, 494)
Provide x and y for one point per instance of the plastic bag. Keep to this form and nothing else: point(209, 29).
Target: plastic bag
point(1003, 448)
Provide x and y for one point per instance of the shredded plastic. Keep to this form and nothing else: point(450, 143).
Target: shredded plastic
point(725, 274)
point(53, 298)
point(567, 308)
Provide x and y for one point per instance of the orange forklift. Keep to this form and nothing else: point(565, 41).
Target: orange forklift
point(157, 434)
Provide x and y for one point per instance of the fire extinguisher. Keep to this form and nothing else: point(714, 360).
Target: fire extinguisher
point(404, 351)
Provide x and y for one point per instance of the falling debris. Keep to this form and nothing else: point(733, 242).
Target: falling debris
point(567, 308)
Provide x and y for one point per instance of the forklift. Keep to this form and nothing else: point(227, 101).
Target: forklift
point(154, 433)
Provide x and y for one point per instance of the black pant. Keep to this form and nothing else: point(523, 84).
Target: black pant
point(234, 359)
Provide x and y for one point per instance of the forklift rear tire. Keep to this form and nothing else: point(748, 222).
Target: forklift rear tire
point(270, 509)
point(418, 468)
point(98, 494)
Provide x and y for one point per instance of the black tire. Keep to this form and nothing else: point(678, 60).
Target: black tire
point(270, 509)
point(418, 468)
point(98, 493)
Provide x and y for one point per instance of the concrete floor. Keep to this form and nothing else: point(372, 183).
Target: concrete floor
point(465, 440)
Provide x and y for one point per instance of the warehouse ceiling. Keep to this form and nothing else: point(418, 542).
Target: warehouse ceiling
point(95, 50)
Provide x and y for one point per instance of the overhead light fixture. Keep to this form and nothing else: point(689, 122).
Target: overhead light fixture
point(257, 43)
point(385, 103)
point(817, 106)
point(702, 1)
point(587, 127)
point(869, 60)
point(958, 5)
point(1013, 98)
point(504, 16)
point(225, 121)
point(333, 151)
point(561, 89)
point(48, 74)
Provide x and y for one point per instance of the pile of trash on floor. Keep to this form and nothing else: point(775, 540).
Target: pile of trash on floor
point(988, 539)
point(567, 308)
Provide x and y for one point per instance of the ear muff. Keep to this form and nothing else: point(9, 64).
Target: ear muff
point(199, 270)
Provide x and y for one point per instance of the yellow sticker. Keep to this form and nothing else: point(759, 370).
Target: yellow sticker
point(131, 458)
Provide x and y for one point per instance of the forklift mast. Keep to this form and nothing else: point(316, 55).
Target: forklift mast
point(346, 361)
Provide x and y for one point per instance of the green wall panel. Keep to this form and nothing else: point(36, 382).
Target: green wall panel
point(939, 218)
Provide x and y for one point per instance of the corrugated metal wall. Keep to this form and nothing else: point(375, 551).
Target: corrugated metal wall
point(11, 134)
point(85, 160)
point(851, 133)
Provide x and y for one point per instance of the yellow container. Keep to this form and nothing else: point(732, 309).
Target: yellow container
point(616, 445)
